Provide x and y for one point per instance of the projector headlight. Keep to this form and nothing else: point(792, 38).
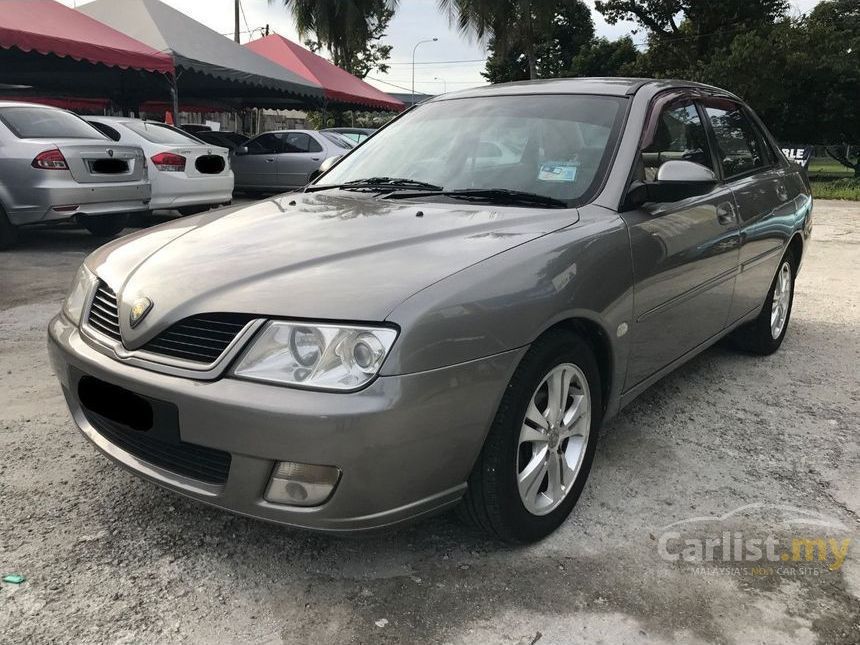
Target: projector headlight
point(85, 281)
point(316, 356)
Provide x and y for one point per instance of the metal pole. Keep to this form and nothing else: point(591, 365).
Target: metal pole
point(430, 40)
point(236, 20)
point(174, 95)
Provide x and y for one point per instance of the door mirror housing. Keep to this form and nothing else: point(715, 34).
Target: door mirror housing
point(678, 179)
point(327, 163)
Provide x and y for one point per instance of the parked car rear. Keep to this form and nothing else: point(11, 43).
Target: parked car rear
point(223, 138)
point(187, 174)
point(54, 167)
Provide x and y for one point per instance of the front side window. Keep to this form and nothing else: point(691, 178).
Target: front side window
point(265, 144)
point(740, 150)
point(678, 133)
point(552, 145)
point(299, 142)
point(46, 123)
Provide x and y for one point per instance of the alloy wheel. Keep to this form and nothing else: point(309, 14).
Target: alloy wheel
point(781, 300)
point(553, 439)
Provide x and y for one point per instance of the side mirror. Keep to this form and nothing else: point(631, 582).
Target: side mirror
point(327, 163)
point(241, 150)
point(678, 179)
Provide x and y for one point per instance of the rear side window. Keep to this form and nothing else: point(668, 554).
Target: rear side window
point(106, 130)
point(678, 134)
point(300, 142)
point(339, 139)
point(738, 145)
point(46, 123)
point(160, 133)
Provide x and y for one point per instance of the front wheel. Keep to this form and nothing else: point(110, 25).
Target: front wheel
point(765, 334)
point(105, 225)
point(539, 450)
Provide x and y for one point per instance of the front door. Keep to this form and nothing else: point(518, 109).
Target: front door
point(685, 253)
point(258, 168)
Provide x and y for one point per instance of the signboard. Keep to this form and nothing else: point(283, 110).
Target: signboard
point(798, 154)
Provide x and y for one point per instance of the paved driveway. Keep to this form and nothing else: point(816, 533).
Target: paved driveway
point(109, 558)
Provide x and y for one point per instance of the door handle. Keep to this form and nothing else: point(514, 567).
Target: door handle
point(269, 160)
point(315, 158)
point(725, 214)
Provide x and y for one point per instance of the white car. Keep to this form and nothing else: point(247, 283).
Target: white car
point(187, 174)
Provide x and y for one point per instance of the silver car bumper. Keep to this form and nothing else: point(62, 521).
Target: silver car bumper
point(405, 445)
point(88, 199)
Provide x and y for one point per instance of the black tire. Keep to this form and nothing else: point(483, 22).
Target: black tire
point(8, 232)
point(492, 501)
point(756, 337)
point(193, 210)
point(105, 225)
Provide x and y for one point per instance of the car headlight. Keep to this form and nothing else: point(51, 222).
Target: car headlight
point(317, 356)
point(75, 302)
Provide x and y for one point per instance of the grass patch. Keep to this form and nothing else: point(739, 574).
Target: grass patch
point(848, 188)
point(828, 167)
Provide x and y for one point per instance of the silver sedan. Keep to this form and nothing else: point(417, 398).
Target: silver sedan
point(448, 314)
point(277, 161)
point(54, 166)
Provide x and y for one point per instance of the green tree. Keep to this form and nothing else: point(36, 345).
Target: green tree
point(603, 57)
point(526, 38)
point(350, 30)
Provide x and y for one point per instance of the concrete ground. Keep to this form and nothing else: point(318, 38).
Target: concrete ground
point(109, 558)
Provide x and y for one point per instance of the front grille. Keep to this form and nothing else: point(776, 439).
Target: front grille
point(186, 459)
point(199, 339)
point(104, 314)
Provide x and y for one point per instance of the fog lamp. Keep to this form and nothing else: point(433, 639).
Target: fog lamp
point(301, 484)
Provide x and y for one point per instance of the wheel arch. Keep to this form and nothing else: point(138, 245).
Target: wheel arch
point(598, 339)
point(795, 247)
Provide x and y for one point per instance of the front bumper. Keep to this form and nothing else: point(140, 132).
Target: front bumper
point(405, 444)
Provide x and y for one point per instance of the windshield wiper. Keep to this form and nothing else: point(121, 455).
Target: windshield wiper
point(493, 195)
point(387, 183)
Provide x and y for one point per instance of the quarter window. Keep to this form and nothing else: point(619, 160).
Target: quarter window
point(738, 145)
point(678, 134)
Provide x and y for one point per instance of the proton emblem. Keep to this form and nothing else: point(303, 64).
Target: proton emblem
point(110, 152)
point(139, 310)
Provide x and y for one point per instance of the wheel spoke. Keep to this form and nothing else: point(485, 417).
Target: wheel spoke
point(554, 387)
point(529, 480)
point(555, 491)
point(531, 435)
point(536, 417)
point(574, 414)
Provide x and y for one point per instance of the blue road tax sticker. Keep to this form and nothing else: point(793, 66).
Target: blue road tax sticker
point(557, 171)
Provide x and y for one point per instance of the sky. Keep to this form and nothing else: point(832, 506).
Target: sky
point(452, 62)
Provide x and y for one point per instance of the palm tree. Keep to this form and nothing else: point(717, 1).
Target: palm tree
point(344, 27)
point(505, 20)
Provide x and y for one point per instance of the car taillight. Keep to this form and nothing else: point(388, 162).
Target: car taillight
point(169, 162)
point(51, 159)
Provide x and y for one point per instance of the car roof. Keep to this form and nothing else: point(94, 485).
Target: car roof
point(27, 104)
point(606, 86)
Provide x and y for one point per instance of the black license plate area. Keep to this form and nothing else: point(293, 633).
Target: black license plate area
point(127, 410)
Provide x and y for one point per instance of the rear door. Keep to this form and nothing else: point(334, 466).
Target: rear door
point(301, 155)
point(685, 253)
point(259, 167)
point(765, 192)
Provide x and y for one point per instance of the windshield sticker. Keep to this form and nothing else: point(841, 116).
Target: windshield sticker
point(557, 171)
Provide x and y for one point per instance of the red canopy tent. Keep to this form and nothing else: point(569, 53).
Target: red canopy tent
point(338, 85)
point(48, 27)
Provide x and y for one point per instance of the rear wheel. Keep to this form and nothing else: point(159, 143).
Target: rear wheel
point(538, 453)
point(765, 334)
point(105, 225)
point(8, 232)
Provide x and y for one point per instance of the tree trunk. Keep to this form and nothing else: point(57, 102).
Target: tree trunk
point(532, 63)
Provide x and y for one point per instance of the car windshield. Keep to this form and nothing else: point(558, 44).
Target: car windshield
point(47, 123)
point(555, 146)
point(161, 133)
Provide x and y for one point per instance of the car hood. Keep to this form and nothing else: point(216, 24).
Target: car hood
point(309, 255)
